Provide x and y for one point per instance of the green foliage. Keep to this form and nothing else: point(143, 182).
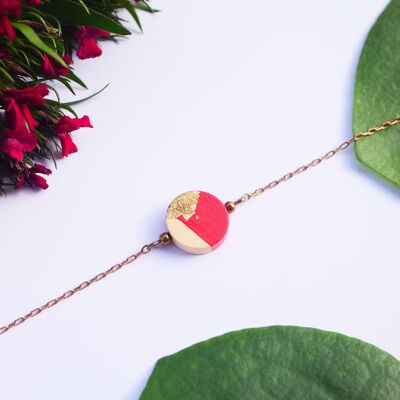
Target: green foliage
point(49, 29)
point(36, 41)
point(276, 363)
point(69, 12)
point(377, 95)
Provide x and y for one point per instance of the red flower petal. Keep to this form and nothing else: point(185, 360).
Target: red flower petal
point(32, 96)
point(17, 142)
point(40, 169)
point(20, 182)
point(53, 68)
point(38, 181)
point(6, 28)
point(13, 115)
point(19, 117)
point(95, 32)
point(68, 146)
point(47, 67)
point(13, 7)
point(78, 33)
point(13, 148)
point(67, 124)
point(88, 48)
point(30, 121)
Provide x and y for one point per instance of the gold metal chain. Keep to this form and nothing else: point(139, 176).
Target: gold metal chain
point(165, 238)
point(248, 196)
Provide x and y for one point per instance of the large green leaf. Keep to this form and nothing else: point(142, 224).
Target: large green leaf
point(377, 95)
point(276, 363)
point(69, 12)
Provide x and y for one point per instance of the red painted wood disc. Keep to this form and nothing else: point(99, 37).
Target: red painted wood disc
point(197, 221)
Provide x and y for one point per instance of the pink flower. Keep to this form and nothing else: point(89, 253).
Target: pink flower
point(6, 28)
point(30, 177)
point(53, 68)
point(13, 115)
point(16, 142)
point(65, 126)
point(8, 7)
point(38, 181)
point(67, 145)
point(33, 95)
point(40, 169)
point(18, 114)
point(13, 7)
point(30, 121)
point(35, 3)
point(88, 47)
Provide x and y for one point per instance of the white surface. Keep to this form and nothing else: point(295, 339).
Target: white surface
point(221, 98)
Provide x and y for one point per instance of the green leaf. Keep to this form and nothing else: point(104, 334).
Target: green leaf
point(377, 95)
point(276, 363)
point(69, 12)
point(32, 36)
point(144, 6)
point(4, 72)
point(84, 6)
point(65, 106)
point(132, 10)
point(55, 92)
point(71, 76)
point(66, 83)
point(72, 103)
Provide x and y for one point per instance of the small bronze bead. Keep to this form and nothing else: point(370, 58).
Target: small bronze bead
point(230, 206)
point(165, 238)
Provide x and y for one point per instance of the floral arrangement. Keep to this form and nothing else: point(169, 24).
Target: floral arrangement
point(38, 42)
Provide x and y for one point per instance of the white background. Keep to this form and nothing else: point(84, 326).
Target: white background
point(221, 97)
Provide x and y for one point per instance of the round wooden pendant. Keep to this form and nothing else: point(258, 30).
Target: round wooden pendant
point(197, 221)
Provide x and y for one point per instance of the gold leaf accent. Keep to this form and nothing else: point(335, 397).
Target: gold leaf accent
point(185, 204)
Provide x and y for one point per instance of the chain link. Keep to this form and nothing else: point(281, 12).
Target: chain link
point(248, 196)
point(164, 239)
